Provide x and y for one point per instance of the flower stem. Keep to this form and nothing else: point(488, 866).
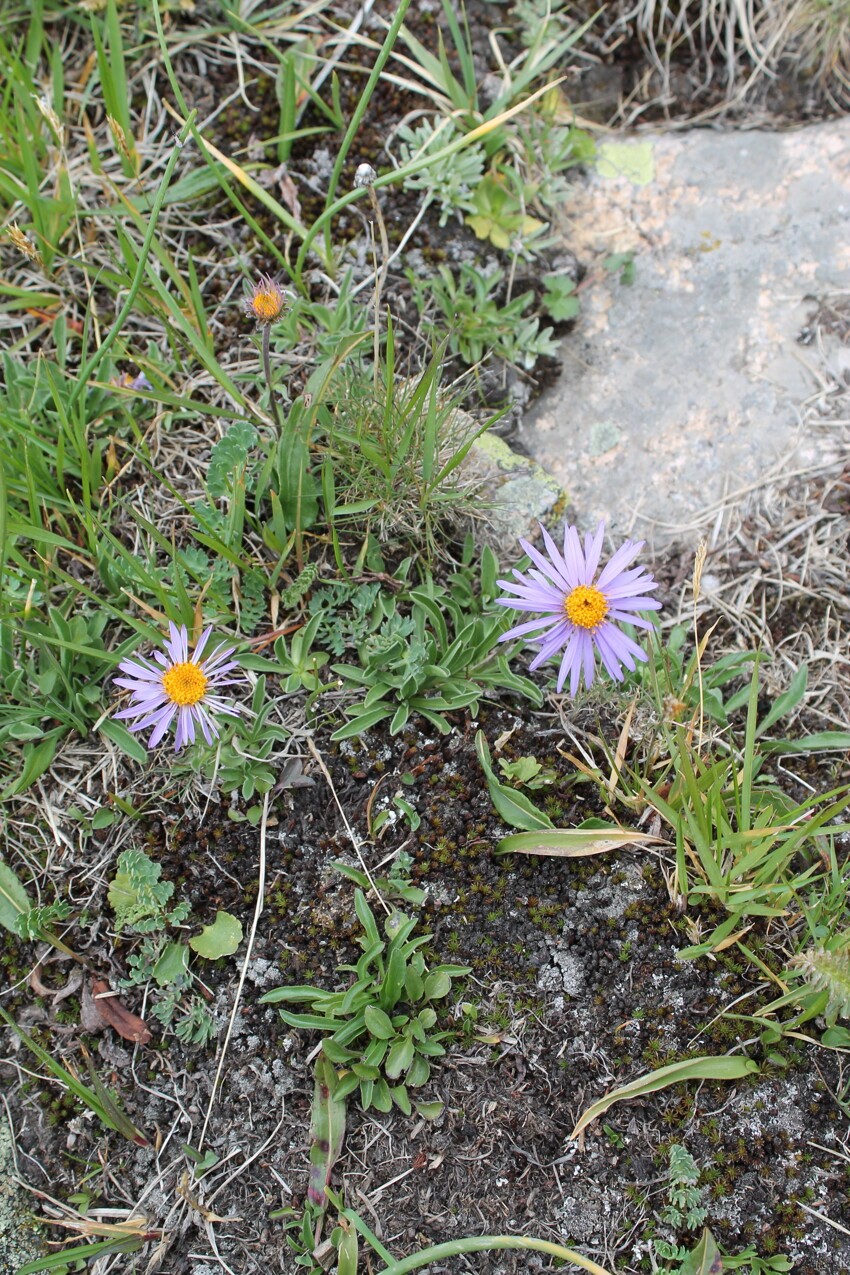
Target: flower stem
point(380, 275)
point(267, 368)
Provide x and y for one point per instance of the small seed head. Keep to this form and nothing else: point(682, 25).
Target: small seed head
point(365, 176)
point(23, 244)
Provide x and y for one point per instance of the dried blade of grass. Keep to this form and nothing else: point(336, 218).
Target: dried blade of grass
point(620, 751)
point(244, 178)
point(574, 843)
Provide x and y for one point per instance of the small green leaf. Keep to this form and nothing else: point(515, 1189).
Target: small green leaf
point(836, 1038)
point(172, 964)
point(511, 806)
point(378, 1023)
point(14, 899)
point(219, 939)
point(401, 1098)
point(414, 984)
point(705, 1259)
point(118, 734)
point(430, 1110)
point(381, 1096)
point(418, 1072)
point(399, 1058)
point(437, 985)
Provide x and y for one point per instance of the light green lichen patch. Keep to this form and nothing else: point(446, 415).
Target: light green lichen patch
point(517, 491)
point(19, 1242)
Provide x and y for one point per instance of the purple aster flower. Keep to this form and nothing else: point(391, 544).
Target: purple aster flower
point(178, 685)
point(580, 610)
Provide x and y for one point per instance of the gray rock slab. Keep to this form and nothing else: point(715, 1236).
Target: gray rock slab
point(685, 389)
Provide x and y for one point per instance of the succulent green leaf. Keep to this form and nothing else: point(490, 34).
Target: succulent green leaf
point(172, 964)
point(378, 1023)
point(219, 939)
point(399, 1058)
point(430, 1110)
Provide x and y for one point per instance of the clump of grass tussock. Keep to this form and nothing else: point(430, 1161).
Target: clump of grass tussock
point(717, 31)
point(814, 36)
point(742, 43)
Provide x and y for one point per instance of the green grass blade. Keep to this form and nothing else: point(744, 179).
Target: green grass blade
point(707, 1068)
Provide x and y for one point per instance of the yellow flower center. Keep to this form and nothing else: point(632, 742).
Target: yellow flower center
point(267, 305)
point(184, 684)
point(586, 606)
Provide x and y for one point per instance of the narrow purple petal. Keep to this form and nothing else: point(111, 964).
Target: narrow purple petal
point(162, 727)
point(637, 620)
point(551, 644)
point(569, 663)
point(587, 658)
point(592, 550)
point(619, 561)
point(185, 726)
point(138, 687)
point(529, 626)
point(202, 641)
point(549, 569)
point(220, 653)
point(636, 604)
point(625, 647)
point(216, 675)
point(217, 705)
point(207, 724)
point(534, 604)
point(177, 644)
point(573, 556)
point(144, 672)
point(623, 591)
point(556, 559)
point(609, 657)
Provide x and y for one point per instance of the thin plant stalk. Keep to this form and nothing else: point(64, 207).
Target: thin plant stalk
point(380, 275)
point(267, 369)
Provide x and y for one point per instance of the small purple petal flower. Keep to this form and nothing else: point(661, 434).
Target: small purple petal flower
point(178, 686)
point(265, 301)
point(578, 609)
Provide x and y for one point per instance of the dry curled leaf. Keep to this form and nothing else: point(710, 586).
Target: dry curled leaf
point(56, 993)
point(116, 1015)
